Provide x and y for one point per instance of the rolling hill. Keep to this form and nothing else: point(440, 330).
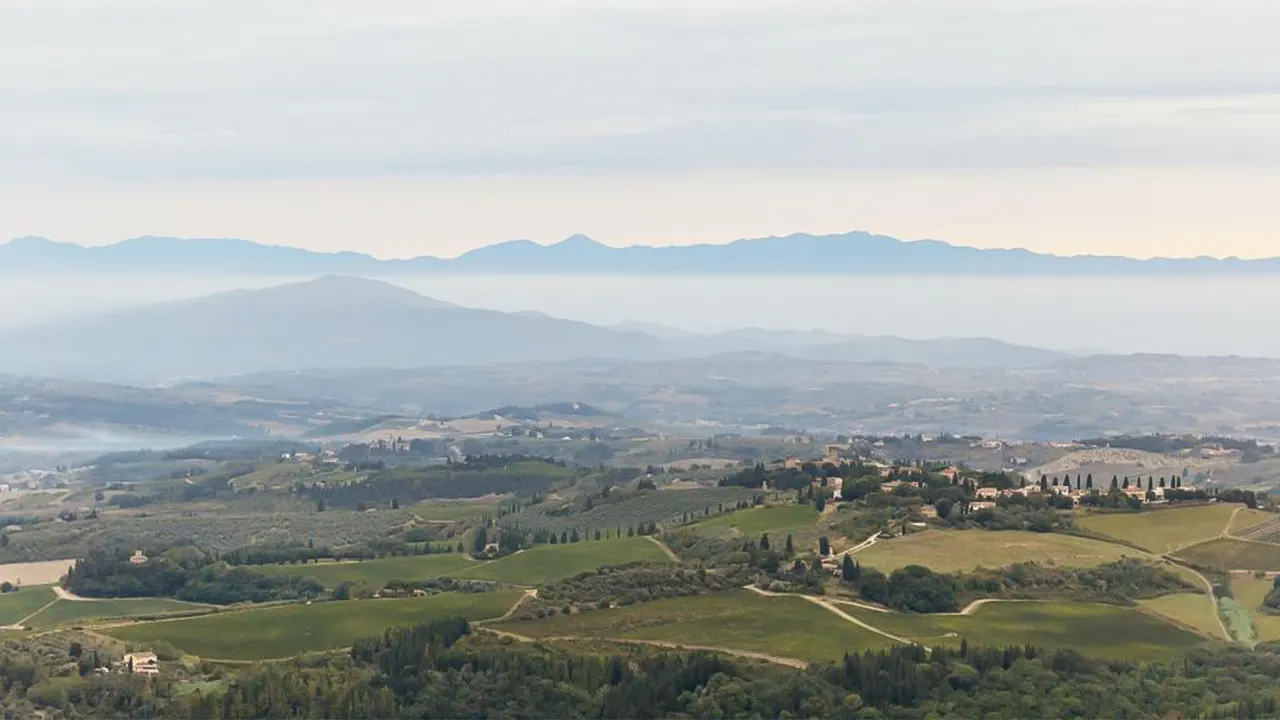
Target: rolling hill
point(847, 254)
point(337, 322)
point(332, 322)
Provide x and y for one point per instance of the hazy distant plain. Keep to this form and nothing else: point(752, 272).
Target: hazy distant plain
point(1192, 316)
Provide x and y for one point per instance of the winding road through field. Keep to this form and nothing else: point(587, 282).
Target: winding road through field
point(775, 659)
point(831, 608)
point(859, 547)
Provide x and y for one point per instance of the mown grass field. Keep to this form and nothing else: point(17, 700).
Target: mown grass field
point(1104, 631)
point(1231, 554)
point(288, 630)
point(377, 572)
point(1249, 592)
point(16, 605)
point(65, 612)
point(1162, 531)
point(961, 550)
point(547, 563)
point(769, 519)
point(1196, 611)
point(738, 620)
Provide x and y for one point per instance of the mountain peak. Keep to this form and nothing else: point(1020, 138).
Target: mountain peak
point(579, 241)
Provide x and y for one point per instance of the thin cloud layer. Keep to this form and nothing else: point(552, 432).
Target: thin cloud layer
point(310, 89)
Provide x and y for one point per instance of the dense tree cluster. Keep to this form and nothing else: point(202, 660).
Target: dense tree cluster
point(1119, 582)
point(186, 574)
point(1271, 603)
point(625, 585)
point(914, 588)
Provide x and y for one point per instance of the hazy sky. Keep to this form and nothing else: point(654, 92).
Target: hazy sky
point(1143, 127)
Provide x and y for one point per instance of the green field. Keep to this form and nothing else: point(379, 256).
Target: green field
point(770, 519)
point(1103, 631)
point(15, 606)
point(376, 572)
point(1231, 554)
point(445, 511)
point(789, 627)
point(961, 550)
point(66, 612)
point(548, 563)
point(1196, 611)
point(1162, 531)
point(1249, 592)
point(287, 630)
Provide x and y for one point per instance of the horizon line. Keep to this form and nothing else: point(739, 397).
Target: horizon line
point(584, 237)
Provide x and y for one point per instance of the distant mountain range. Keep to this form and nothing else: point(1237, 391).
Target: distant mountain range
point(852, 254)
point(344, 322)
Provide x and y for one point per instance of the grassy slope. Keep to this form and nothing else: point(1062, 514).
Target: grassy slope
point(1250, 591)
point(1229, 554)
point(1192, 610)
point(770, 519)
point(953, 550)
point(288, 630)
point(67, 611)
point(16, 605)
point(547, 563)
point(1098, 630)
point(737, 620)
point(377, 572)
point(1162, 531)
point(445, 511)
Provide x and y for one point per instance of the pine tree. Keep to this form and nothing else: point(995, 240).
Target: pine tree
point(790, 547)
point(824, 545)
point(764, 541)
point(847, 570)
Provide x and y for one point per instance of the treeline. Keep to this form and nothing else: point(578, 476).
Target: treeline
point(299, 553)
point(1164, 444)
point(909, 681)
point(193, 577)
point(795, 478)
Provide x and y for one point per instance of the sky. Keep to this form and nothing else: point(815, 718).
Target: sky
point(410, 127)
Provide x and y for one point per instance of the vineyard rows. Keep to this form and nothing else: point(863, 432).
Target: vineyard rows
point(663, 506)
point(1267, 532)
